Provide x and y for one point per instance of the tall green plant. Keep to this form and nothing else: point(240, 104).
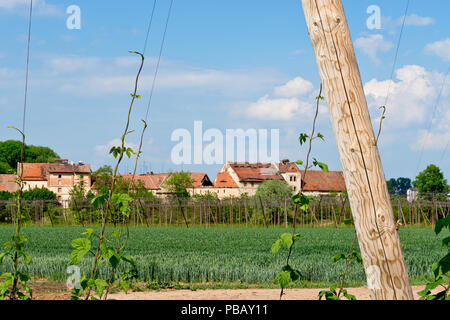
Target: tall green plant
point(301, 202)
point(109, 248)
point(441, 268)
point(14, 285)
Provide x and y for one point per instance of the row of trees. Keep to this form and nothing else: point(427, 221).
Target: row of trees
point(10, 155)
point(431, 180)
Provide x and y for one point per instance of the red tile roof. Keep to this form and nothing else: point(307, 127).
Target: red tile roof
point(34, 171)
point(200, 179)
point(288, 167)
point(224, 180)
point(255, 172)
point(7, 183)
point(40, 171)
point(151, 181)
point(154, 181)
point(324, 181)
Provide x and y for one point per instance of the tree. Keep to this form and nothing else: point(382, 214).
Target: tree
point(431, 180)
point(391, 185)
point(403, 184)
point(177, 183)
point(5, 195)
point(399, 186)
point(10, 155)
point(39, 194)
point(274, 189)
point(104, 170)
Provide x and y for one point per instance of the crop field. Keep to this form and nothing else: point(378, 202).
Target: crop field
point(222, 255)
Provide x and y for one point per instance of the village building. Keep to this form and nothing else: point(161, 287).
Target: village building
point(155, 182)
point(238, 178)
point(8, 183)
point(59, 177)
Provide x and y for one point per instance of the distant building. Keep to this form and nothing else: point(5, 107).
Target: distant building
point(319, 182)
point(7, 183)
point(155, 182)
point(238, 178)
point(59, 177)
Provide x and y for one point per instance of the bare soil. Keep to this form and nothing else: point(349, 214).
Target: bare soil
point(47, 291)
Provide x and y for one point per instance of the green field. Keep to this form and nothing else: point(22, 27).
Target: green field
point(223, 255)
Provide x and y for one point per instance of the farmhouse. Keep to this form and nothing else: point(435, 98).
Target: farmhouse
point(59, 177)
point(155, 182)
point(236, 179)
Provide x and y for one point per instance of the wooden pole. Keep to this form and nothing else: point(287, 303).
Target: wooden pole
point(382, 254)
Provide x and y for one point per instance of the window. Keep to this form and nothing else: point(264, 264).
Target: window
point(295, 178)
point(295, 188)
point(59, 176)
point(291, 178)
point(59, 190)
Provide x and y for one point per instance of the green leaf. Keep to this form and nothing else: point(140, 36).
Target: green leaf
point(338, 257)
point(276, 246)
point(348, 222)
point(445, 242)
point(27, 258)
point(303, 137)
point(81, 248)
point(88, 233)
point(114, 260)
point(321, 165)
point(2, 255)
point(286, 240)
point(320, 136)
point(299, 162)
point(296, 236)
point(296, 199)
point(442, 223)
point(99, 199)
point(283, 278)
point(294, 274)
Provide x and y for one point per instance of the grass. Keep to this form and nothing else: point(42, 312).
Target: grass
point(223, 257)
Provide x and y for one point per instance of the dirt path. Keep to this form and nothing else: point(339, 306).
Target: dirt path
point(361, 293)
point(240, 294)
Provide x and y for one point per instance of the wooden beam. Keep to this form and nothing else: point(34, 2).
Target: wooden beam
point(382, 254)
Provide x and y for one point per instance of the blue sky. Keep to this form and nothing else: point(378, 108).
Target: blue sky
point(231, 64)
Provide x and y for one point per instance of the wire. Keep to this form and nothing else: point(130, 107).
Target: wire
point(159, 60)
point(149, 28)
point(388, 92)
point(396, 53)
point(427, 134)
point(445, 150)
point(27, 67)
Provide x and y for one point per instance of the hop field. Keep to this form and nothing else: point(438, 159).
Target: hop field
point(222, 254)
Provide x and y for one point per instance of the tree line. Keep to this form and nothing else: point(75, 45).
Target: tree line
point(10, 155)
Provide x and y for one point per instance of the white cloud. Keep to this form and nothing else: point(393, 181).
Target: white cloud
point(410, 97)
point(373, 44)
point(277, 109)
point(40, 7)
point(440, 48)
point(412, 104)
point(416, 20)
point(97, 76)
point(295, 87)
point(291, 101)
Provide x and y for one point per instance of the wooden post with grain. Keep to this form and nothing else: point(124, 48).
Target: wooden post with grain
point(382, 254)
